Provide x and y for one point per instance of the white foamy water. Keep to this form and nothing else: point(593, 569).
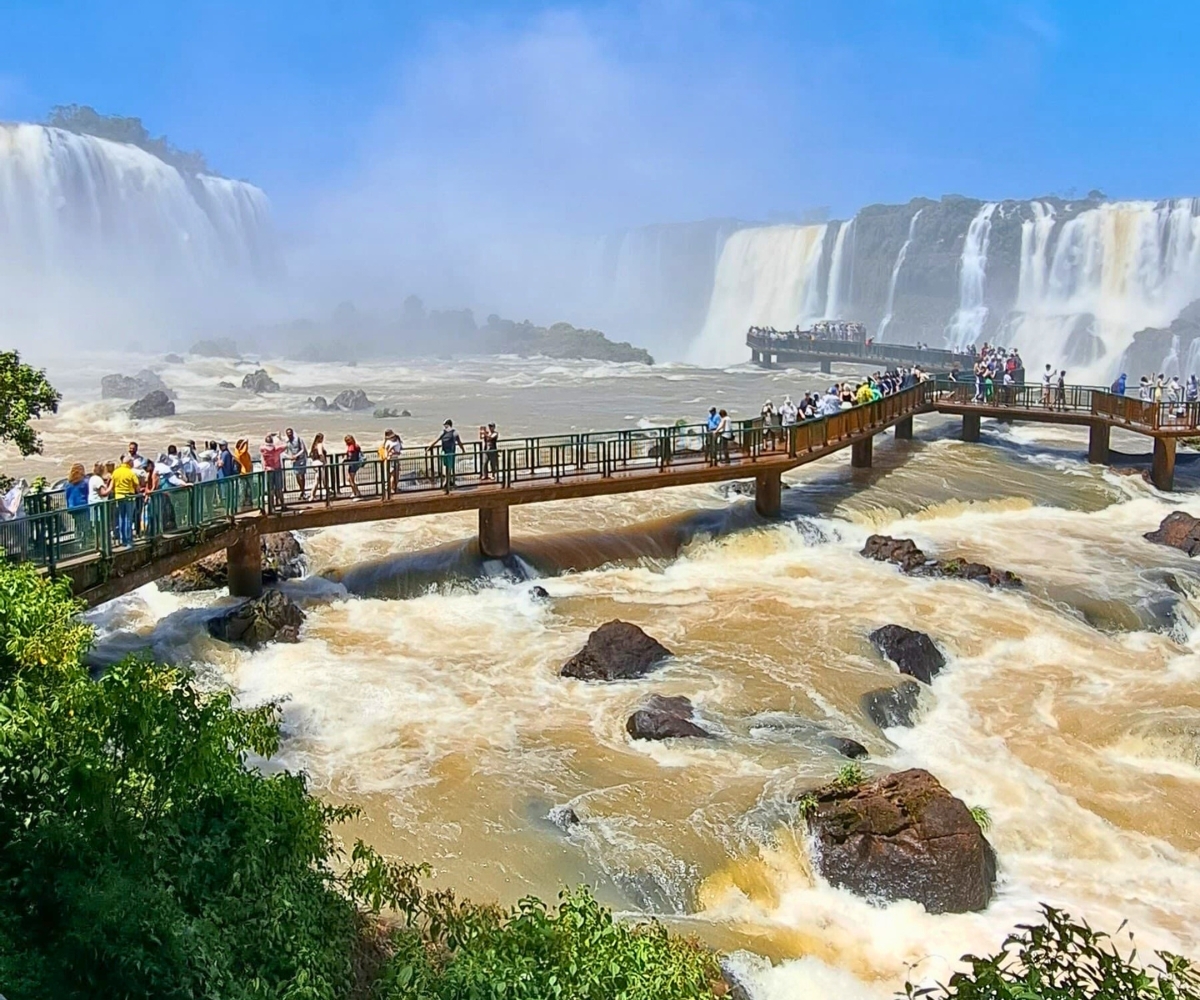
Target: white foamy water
point(1067, 709)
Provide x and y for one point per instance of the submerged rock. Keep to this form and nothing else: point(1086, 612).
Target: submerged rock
point(844, 745)
point(132, 386)
point(913, 652)
point(903, 836)
point(226, 385)
point(539, 593)
point(283, 559)
point(270, 618)
point(1179, 530)
point(662, 718)
point(260, 381)
point(894, 706)
point(352, 399)
point(564, 817)
point(905, 554)
point(173, 359)
point(616, 651)
point(152, 405)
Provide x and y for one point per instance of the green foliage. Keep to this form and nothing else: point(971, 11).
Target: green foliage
point(577, 951)
point(982, 818)
point(25, 395)
point(807, 805)
point(850, 775)
point(85, 120)
point(38, 627)
point(1060, 959)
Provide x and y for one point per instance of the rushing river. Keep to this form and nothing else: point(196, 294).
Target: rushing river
point(1069, 709)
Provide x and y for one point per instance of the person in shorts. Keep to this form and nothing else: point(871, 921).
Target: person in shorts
point(450, 444)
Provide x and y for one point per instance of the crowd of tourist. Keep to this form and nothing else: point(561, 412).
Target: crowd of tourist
point(823, 329)
point(1160, 389)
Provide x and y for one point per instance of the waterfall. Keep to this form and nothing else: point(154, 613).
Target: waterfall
point(891, 297)
point(1121, 266)
point(967, 324)
point(766, 276)
point(833, 295)
point(107, 227)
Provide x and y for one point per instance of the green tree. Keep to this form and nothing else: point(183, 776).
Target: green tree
point(25, 394)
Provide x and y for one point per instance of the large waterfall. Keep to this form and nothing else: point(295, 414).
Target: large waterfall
point(891, 299)
point(967, 323)
point(766, 276)
point(92, 230)
point(833, 297)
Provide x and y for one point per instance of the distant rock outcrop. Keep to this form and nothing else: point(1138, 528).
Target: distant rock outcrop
point(905, 554)
point(1179, 530)
point(132, 386)
point(352, 399)
point(222, 347)
point(903, 836)
point(616, 651)
point(152, 405)
point(260, 381)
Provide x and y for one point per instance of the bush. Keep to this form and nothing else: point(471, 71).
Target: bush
point(1063, 960)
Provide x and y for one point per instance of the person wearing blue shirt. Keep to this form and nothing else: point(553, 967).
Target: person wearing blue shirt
point(714, 420)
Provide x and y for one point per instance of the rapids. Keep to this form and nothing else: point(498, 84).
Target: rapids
point(1069, 709)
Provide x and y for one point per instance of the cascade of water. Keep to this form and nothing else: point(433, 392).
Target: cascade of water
point(766, 276)
point(891, 298)
point(967, 323)
point(1035, 238)
point(1170, 364)
point(833, 296)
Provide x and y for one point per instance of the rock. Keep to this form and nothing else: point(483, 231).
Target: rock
point(132, 386)
point(739, 488)
point(352, 399)
point(1178, 530)
point(283, 559)
point(405, 413)
point(226, 385)
point(903, 836)
point(173, 359)
point(735, 980)
point(616, 651)
point(894, 706)
point(845, 746)
point(913, 652)
point(662, 718)
point(901, 551)
point(905, 554)
point(385, 413)
point(270, 618)
point(539, 593)
point(564, 817)
point(260, 382)
point(153, 404)
point(319, 403)
point(222, 347)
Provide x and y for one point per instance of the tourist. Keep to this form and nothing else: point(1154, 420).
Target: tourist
point(271, 451)
point(296, 452)
point(724, 434)
point(1060, 391)
point(393, 451)
point(450, 443)
point(76, 497)
point(125, 484)
point(354, 462)
point(318, 458)
point(227, 466)
point(713, 421)
point(788, 411)
point(768, 424)
point(1118, 387)
point(1193, 389)
point(490, 439)
point(245, 464)
point(1047, 386)
point(1145, 392)
point(831, 403)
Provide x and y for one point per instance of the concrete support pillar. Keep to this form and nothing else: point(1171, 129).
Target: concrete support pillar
point(904, 429)
point(768, 493)
point(826, 368)
point(245, 566)
point(970, 426)
point(860, 453)
point(756, 357)
point(493, 532)
point(1163, 472)
point(1098, 443)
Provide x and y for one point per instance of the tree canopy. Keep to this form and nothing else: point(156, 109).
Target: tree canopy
point(85, 120)
point(25, 394)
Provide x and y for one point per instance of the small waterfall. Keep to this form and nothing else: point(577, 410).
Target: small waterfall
point(1170, 364)
point(1035, 238)
point(967, 324)
point(766, 276)
point(891, 297)
point(833, 296)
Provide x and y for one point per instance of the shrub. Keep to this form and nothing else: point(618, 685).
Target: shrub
point(850, 775)
point(982, 818)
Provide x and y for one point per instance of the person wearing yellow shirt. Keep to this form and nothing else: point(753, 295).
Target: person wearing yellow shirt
point(864, 394)
point(125, 484)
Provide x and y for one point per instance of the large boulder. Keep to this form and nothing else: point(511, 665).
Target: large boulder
point(152, 405)
point(893, 706)
point(283, 559)
point(259, 381)
point(616, 651)
point(904, 553)
point(132, 386)
point(844, 745)
point(662, 718)
point(352, 399)
point(913, 652)
point(318, 403)
point(270, 618)
point(903, 836)
point(1178, 530)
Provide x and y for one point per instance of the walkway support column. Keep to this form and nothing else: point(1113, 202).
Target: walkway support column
point(826, 368)
point(493, 532)
point(244, 559)
point(970, 427)
point(860, 453)
point(1098, 443)
point(1162, 474)
point(904, 429)
point(768, 493)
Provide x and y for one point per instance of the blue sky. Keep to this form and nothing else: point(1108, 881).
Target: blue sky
point(595, 116)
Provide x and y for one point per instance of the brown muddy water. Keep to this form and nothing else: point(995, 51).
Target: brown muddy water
point(426, 687)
